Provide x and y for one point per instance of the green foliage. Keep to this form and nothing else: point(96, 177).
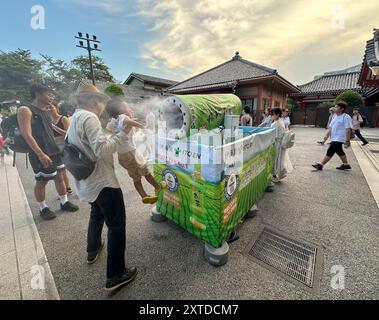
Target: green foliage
point(100, 69)
point(18, 71)
point(114, 91)
point(291, 104)
point(326, 105)
point(353, 99)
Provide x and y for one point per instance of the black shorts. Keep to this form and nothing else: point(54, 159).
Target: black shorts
point(42, 173)
point(335, 147)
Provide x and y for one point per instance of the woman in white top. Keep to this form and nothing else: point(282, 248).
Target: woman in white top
point(286, 119)
point(282, 165)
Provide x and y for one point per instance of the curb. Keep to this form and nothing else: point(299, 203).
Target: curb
point(31, 261)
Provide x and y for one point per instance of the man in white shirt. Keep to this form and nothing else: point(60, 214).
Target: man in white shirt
point(340, 132)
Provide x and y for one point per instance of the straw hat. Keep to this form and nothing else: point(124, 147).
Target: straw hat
point(88, 89)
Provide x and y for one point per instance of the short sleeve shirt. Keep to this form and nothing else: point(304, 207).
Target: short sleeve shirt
point(339, 124)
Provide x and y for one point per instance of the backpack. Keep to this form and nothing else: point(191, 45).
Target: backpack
point(288, 139)
point(364, 121)
point(11, 130)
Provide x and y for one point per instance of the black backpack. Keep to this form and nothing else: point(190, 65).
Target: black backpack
point(364, 121)
point(11, 130)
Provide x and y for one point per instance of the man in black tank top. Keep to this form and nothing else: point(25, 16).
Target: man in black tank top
point(36, 128)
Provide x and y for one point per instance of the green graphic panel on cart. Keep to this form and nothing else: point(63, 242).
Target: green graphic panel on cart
point(211, 211)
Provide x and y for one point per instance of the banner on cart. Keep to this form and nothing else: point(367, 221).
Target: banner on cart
point(211, 211)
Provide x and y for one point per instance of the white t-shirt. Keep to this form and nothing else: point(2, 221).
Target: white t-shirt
point(286, 122)
point(339, 124)
point(117, 125)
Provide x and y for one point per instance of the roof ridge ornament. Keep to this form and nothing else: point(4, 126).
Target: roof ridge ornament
point(237, 56)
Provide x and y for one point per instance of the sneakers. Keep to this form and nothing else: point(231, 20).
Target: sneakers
point(70, 207)
point(363, 144)
point(344, 167)
point(127, 277)
point(317, 166)
point(92, 256)
point(47, 214)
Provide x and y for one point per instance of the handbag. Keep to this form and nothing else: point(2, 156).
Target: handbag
point(77, 162)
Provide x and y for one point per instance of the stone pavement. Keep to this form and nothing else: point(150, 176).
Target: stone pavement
point(24, 269)
point(335, 210)
point(368, 158)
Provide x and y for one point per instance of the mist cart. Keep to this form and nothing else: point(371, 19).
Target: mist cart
point(215, 170)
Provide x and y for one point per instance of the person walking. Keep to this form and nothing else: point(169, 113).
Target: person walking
point(340, 130)
point(101, 189)
point(286, 119)
point(282, 165)
point(44, 156)
point(246, 119)
point(60, 125)
point(357, 121)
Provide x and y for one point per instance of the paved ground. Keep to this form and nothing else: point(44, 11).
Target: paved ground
point(24, 270)
point(333, 209)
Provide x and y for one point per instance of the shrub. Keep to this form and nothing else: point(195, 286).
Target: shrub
point(114, 91)
point(326, 105)
point(353, 99)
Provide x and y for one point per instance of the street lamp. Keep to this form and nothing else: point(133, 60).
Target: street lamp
point(88, 47)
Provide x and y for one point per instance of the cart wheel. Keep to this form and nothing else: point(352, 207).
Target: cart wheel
point(270, 187)
point(252, 212)
point(156, 216)
point(216, 256)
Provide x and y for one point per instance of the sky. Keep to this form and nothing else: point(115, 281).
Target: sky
point(176, 39)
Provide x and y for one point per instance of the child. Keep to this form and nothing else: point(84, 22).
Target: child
point(128, 158)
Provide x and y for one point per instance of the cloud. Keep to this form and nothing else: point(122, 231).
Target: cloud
point(187, 37)
point(107, 6)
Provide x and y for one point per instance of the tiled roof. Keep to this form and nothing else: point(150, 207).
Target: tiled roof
point(150, 79)
point(334, 83)
point(371, 57)
point(224, 74)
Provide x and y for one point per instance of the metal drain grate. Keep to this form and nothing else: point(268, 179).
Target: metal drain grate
point(293, 258)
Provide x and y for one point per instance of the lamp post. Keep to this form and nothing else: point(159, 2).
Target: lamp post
point(85, 43)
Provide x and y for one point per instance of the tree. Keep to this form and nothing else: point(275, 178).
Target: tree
point(353, 99)
point(18, 70)
point(326, 105)
point(291, 104)
point(114, 91)
point(62, 76)
point(100, 69)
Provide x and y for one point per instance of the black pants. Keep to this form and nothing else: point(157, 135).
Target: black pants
point(359, 135)
point(335, 147)
point(109, 207)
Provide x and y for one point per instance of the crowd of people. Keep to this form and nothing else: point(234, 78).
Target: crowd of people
point(47, 128)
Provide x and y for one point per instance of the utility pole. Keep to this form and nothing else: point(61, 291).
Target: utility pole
point(89, 49)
